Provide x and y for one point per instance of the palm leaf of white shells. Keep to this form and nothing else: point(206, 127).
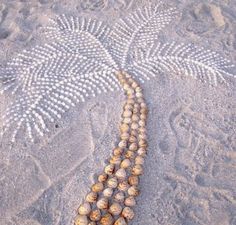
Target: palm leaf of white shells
point(76, 64)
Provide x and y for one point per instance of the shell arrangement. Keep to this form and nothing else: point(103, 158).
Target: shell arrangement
point(84, 57)
point(113, 196)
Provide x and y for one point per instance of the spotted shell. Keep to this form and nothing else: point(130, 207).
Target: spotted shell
point(115, 209)
point(95, 215)
point(120, 221)
point(102, 203)
point(109, 169)
point(128, 213)
point(102, 177)
point(125, 163)
point(97, 187)
point(81, 220)
point(121, 174)
point(119, 196)
point(91, 197)
point(130, 201)
point(133, 191)
point(108, 192)
point(137, 170)
point(133, 180)
point(107, 219)
point(112, 182)
point(84, 208)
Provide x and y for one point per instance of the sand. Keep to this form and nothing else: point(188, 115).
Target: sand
point(190, 170)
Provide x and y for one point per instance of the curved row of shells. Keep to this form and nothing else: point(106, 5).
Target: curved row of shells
point(113, 196)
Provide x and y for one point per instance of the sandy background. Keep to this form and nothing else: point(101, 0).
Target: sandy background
point(190, 171)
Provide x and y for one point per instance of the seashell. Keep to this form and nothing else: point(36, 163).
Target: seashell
point(134, 133)
point(143, 105)
point(143, 116)
point(139, 160)
point(128, 107)
point(108, 192)
point(102, 203)
point(115, 159)
point(129, 154)
point(81, 220)
point(126, 86)
point(124, 136)
point(137, 170)
point(127, 113)
point(127, 120)
point(119, 196)
point(142, 136)
point(133, 147)
point(134, 126)
point(112, 182)
point(124, 127)
point(84, 208)
point(142, 152)
point(130, 91)
point(133, 191)
point(115, 209)
point(91, 197)
point(144, 110)
point(125, 163)
point(130, 201)
point(95, 215)
point(140, 100)
point(130, 101)
point(132, 139)
point(142, 123)
point(117, 151)
point(142, 143)
point(123, 186)
point(109, 169)
point(139, 94)
point(122, 144)
point(97, 187)
point(121, 174)
point(134, 84)
point(136, 111)
point(92, 223)
point(142, 130)
point(128, 213)
point(133, 180)
point(120, 221)
point(138, 89)
point(107, 219)
point(131, 96)
point(102, 177)
point(135, 118)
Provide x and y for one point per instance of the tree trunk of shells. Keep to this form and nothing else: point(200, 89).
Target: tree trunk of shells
point(113, 196)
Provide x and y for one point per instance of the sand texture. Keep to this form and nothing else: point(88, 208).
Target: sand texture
point(190, 170)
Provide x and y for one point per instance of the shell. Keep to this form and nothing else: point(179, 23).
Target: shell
point(133, 147)
point(102, 203)
point(134, 84)
point(142, 123)
point(127, 120)
point(91, 197)
point(112, 182)
point(138, 89)
point(132, 139)
point(115, 159)
point(81, 220)
point(142, 130)
point(144, 110)
point(130, 101)
point(129, 154)
point(122, 144)
point(125, 163)
point(123, 186)
point(143, 116)
point(97, 187)
point(108, 192)
point(119, 196)
point(139, 95)
point(124, 136)
point(139, 160)
point(107, 219)
point(128, 213)
point(134, 126)
point(91, 223)
point(115, 209)
point(142, 152)
point(124, 127)
point(143, 143)
point(121, 174)
point(142, 136)
point(84, 208)
point(135, 117)
point(120, 221)
point(133, 191)
point(109, 169)
point(95, 215)
point(117, 151)
point(130, 201)
point(137, 170)
point(128, 106)
point(102, 177)
point(133, 180)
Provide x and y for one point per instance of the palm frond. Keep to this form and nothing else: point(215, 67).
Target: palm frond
point(138, 29)
point(197, 62)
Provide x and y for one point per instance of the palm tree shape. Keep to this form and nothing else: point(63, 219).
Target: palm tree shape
point(84, 58)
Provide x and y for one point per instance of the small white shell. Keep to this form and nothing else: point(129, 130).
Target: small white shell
point(130, 201)
point(109, 169)
point(128, 213)
point(119, 196)
point(121, 174)
point(112, 182)
point(123, 186)
point(81, 220)
point(108, 192)
point(84, 208)
point(122, 144)
point(115, 209)
point(134, 126)
point(125, 163)
point(102, 203)
point(133, 191)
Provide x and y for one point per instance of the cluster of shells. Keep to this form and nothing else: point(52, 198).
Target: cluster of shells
point(113, 196)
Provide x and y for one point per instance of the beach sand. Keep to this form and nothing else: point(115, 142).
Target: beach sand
point(190, 170)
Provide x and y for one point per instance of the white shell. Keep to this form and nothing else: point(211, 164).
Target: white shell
point(130, 201)
point(102, 203)
point(84, 208)
point(139, 160)
point(121, 174)
point(115, 209)
point(109, 169)
point(108, 192)
point(125, 163)
point(112, 182)
point(91, 197)
point(133, 191)
point(119, 196)
point(81, 220)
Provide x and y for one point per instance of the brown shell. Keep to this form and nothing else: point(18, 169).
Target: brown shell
point(120, 221)
point(119, 196)
point(130, 201)
point(95, 215)
point(91, 197)
point(102, 177)
point(112, 182)
point(139, 160)
point(133, 191)
point(109, 169)
point(121, 174)
point(128, 213)
point(133, 180)
point(108, 192)
point(137, 170)
point(102, 203)
point(97, 187)
point(125, 163)
point(143, 143)
point(115, 209)
point(129, 154)
point(84, 208)
point(115, 159)
point(132, 139)
point(124, 127)
point(117, 151)
point(81, 220)
point(107, 219)
point(133, 147)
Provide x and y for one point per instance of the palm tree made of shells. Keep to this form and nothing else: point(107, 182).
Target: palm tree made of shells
point(84, 58)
